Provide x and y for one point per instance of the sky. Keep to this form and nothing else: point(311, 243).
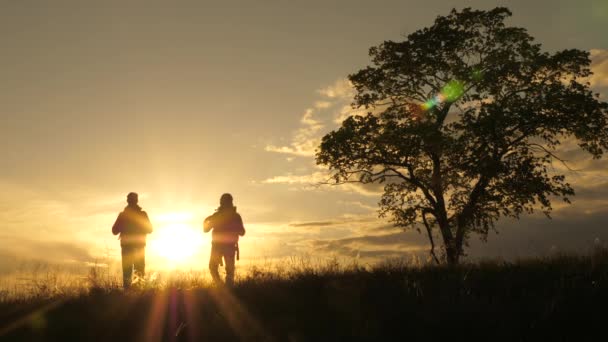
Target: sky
point(183, 101)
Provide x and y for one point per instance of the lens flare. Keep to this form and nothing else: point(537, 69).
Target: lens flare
point(477, 74)
point(451, 92)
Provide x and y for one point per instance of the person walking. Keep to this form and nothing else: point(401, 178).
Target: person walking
point(132, 226)
point(227, 226)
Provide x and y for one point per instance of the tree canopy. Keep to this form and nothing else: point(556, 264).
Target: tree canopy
point(465, 119)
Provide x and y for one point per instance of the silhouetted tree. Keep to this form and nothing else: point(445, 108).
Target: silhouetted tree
point(464, 121)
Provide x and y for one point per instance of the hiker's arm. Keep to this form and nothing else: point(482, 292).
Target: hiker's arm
point(241, 230)
point(117, 227)
point(147, 224)
point(208, 224)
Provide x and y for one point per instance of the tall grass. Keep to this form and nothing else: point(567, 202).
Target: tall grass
point(562, 297)
point(38, 280)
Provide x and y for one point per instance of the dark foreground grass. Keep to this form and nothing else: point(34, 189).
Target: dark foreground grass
point(559, 299)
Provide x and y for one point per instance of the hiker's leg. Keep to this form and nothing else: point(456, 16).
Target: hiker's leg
point(229, 255)
point(127, 266)
point(140, 261)
point(214, 263)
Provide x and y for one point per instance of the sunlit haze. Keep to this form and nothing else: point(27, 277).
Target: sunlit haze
point(184, 102)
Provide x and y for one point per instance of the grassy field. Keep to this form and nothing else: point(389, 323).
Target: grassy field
point(562, 298)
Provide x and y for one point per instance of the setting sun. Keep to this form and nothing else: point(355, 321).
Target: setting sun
point(176, 239)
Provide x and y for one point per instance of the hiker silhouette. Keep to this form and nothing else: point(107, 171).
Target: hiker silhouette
point(132, 226)
point(227, 226)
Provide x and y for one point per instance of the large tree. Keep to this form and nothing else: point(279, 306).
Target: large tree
point(465, 119)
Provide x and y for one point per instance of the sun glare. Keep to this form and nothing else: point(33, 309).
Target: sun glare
point(176, 239)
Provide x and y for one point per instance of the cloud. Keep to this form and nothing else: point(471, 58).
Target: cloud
point(306, 149)
point(347, 111)
point(574, 228)
point(322, 181)
point(341, 89)
point(342, 92)
point(371, 190)
point(599, 67)
point(400, 239)
point(55, 227)
point(370, 239)
point(18, 249)
point(572, 231)
point(305, 139)
point(359, 204)
point(313, 224)
point(594, 192)
point(353, 221)
point(306, 238)
point(323, 104)
point(313, 179)
point(373, 248)
point(315, 120)
point(326, 113)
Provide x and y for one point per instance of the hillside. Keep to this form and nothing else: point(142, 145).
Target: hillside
point(559, 298)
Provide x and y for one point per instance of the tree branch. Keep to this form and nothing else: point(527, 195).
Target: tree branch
point(430, 233)
point(425, 189)
point(553, 155)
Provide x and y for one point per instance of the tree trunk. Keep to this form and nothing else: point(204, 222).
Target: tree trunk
point(452, 251)
point(452, 254)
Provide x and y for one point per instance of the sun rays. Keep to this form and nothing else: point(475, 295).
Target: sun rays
point(177, 314)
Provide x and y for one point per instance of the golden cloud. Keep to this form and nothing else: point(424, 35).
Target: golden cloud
point(599, 67)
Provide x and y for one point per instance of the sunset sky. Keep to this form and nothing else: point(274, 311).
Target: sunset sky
point(183, 101)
